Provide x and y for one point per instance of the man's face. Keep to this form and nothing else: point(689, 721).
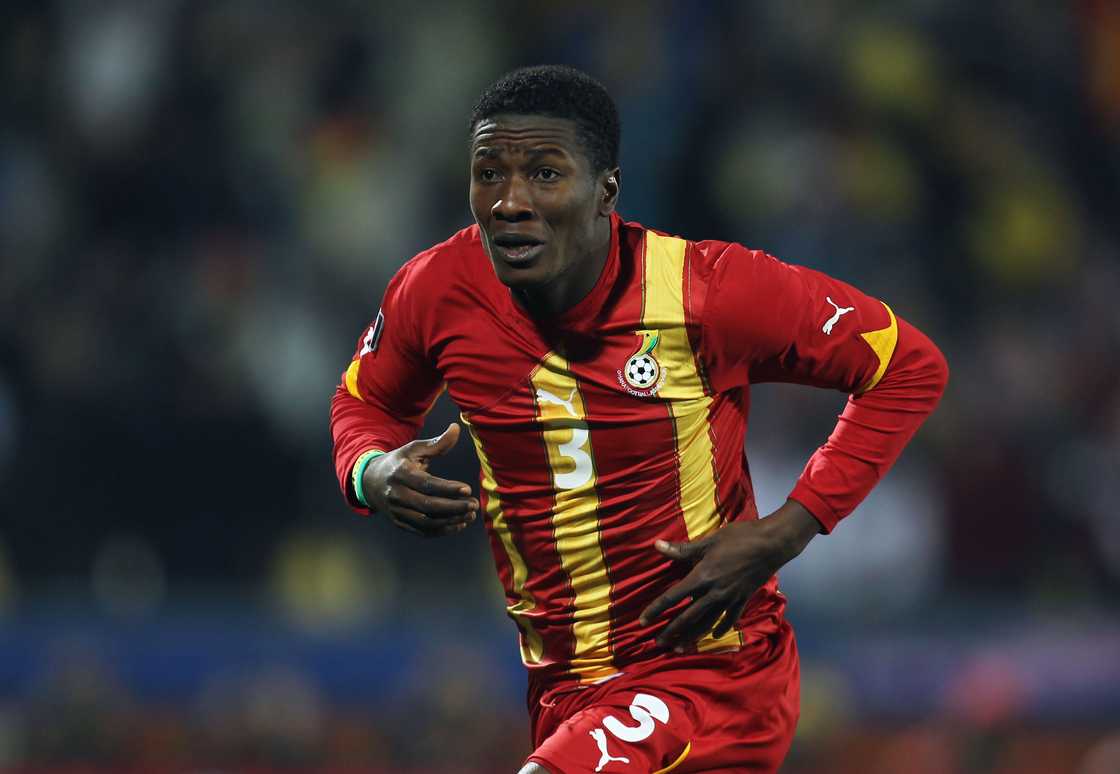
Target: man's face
point(538, 202)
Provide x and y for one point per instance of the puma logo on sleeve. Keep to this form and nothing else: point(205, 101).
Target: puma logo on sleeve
point(840, 311)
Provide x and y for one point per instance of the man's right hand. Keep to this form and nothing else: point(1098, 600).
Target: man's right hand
point(398, 485)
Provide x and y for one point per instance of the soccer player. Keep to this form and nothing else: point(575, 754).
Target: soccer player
point(603, 371)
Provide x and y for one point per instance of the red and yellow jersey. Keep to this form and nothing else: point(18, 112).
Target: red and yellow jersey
point(623, 420)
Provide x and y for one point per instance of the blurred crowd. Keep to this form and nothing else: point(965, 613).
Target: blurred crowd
point(200, 204)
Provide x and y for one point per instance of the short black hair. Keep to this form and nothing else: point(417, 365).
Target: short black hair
point(560, 92)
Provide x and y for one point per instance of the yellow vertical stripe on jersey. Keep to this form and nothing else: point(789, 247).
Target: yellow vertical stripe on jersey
point(575, 520)
point(532, 648)
point(683, 392)
point(352, 378)
point(882, 342)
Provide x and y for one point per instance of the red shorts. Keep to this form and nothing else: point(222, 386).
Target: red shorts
point(724, 712)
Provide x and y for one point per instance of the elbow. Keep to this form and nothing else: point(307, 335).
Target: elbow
point(931, 378)
point(939, 370)
point(338, 404)
point(926, 364)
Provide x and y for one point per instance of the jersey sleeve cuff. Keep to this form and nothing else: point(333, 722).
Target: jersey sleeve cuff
point(353, 497)
point(816, 506)
point(359, 470)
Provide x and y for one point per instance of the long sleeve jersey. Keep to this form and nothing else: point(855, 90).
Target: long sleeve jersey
point(623, 420)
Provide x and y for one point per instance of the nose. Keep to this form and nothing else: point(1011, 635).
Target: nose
point(514, 203)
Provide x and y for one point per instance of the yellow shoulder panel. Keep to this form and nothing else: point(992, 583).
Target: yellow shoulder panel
point(882, 343)
point(352, 379)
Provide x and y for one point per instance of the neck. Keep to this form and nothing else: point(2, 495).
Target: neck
point(571, 287)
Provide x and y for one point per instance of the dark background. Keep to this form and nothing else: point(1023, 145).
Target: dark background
point(201, 202)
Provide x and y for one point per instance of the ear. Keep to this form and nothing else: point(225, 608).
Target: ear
point(610, 184)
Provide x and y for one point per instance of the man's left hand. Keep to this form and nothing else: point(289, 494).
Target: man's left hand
point(729, 566)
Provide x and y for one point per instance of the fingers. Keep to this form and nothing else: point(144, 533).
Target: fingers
point(436, 507)
point(420, 480)
point(432, 532)
point(399, 521)
point(690, 586)
point(424, 450)
point(417, 522)
point(715, 612)
point(720, 584)
point(412, 488)
point(692, 583)
point(731, 616)
point(687, 551)
point(402, 489)
point(696, 621)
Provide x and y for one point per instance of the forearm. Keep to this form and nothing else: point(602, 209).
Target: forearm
point(794, 526)
point(357, 427)
point(873, 430)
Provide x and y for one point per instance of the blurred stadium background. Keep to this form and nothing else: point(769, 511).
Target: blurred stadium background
point(200, 203)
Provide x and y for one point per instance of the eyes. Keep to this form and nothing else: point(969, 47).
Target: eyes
point(541, 174)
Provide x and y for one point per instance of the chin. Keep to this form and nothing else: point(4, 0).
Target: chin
point(522, 278)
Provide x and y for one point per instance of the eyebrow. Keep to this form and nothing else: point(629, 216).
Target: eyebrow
point(491, 152)
point(545, 151)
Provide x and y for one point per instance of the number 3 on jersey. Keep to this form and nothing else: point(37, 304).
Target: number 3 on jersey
point(560, 411)
point(576, 451)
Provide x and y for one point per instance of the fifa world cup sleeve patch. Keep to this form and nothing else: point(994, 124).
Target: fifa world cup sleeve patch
point(369, 344)
point(373, 335)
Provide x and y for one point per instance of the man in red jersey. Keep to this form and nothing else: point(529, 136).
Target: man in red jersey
point(603, 371)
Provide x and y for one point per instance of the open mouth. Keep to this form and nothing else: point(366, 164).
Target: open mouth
point(517, 248)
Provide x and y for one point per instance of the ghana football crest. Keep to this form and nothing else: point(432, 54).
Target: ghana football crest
point(642, 375)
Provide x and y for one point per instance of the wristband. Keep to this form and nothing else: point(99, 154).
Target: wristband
point(359, 470)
